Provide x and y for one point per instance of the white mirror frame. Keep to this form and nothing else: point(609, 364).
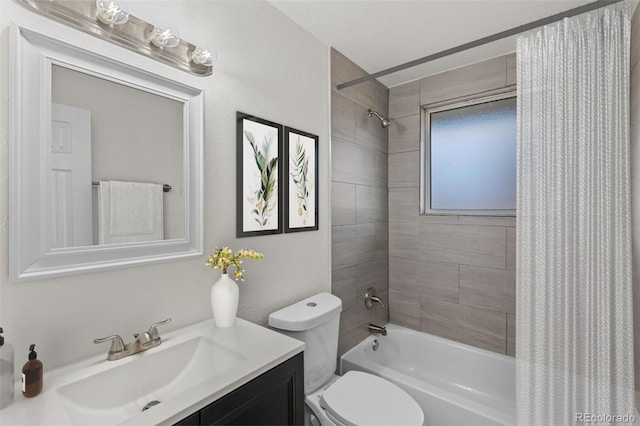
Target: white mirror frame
point(32, 55)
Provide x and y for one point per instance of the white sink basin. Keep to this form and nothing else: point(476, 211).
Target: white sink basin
point(121, 392)
point(193, 367)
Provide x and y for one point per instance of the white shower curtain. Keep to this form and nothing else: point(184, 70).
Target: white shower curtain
point(574, 296)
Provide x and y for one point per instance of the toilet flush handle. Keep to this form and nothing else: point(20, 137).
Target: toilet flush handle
point(370, 297)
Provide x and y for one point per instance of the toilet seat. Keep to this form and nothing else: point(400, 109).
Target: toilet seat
point(359, 398)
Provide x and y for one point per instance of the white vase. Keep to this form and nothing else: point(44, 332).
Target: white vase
point(224, 301)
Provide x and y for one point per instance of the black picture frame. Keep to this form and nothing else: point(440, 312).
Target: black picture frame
point(300, 215)
point(254, 212)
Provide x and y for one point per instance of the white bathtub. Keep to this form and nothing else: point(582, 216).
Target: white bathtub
point(454, 383)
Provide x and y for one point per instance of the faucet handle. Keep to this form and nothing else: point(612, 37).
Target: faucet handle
point(117, 345)
point(371, 297)
point(377, 299)
point(153, 330)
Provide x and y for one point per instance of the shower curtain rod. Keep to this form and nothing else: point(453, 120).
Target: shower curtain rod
point(484, 40)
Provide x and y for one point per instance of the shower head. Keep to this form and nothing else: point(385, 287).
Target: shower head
point(383, 121)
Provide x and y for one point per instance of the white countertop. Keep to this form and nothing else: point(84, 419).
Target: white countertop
point(262, 349)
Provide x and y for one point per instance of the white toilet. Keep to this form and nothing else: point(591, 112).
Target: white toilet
point(354, 399)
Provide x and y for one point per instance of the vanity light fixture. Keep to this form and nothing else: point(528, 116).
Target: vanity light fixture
point(110, 13)
point(107, 20)
point(163, 36)
point(203, 56)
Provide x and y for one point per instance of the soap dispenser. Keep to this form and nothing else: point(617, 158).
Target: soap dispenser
point(6, 372)
point(32, 375)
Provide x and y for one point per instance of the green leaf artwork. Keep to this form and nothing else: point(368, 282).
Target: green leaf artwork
point(265, 195)
point(299, 167)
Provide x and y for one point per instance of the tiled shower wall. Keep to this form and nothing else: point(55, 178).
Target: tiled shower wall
point(452, 276)
point(359, 200)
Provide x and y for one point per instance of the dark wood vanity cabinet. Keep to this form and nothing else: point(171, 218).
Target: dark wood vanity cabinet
point(273, 398)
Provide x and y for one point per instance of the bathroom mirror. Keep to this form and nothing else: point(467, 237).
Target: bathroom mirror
point(106, 157)
point(126, 134)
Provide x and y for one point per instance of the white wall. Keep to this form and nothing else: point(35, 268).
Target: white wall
point(269, 67)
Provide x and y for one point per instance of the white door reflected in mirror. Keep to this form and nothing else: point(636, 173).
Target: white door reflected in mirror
point(70, 205)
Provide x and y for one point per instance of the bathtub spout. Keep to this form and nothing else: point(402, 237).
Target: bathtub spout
point(377, 329)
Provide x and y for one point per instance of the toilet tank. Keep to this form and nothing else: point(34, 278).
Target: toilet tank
point(316, 321)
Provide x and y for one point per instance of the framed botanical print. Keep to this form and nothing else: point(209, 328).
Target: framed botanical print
point(258, 198)
point(301, 178)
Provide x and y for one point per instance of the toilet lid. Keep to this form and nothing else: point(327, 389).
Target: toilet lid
point(359, 398)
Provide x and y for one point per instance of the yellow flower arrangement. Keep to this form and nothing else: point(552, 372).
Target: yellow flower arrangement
point(222, 258)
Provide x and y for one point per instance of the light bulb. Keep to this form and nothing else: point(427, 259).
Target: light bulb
point(110, 13)
point(203, 56)
point(163, 36)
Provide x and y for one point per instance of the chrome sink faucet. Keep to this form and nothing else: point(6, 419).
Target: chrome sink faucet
point(141, 342)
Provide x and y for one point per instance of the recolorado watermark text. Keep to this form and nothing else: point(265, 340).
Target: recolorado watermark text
point(605, 418)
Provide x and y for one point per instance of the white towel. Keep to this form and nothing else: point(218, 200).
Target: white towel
point(130, 212)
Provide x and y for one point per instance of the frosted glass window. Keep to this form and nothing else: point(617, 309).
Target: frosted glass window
point(472, 152)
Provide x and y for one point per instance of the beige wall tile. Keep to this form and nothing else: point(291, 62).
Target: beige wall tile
point(371, 204)
point(343, 285)
point(488, 220)
point(477, 244)
point(404, 169)
point(374, 274)
point(343, 70)
point(471, 243)
point(352, 163)
point(475, 78)
point(420, 278)
point(352, 244)
point(463, 244)
point(343, 203)
point(404, 240)
point(404, 309)
point(352, 332)
point(493, 289)
point(467, 324)
point(404, 206)
point(354, 326)
point(382, 233)
point(511, 249)
point(369, 132)
point(636, 319)
point(380, 314)
point(511, 69)
point(382, 99)
point(356, 244)
point(359, 193)
point(381, 241)
point(404, 134)
point(636, 322)
point(436, 218)
point(635, 37)
point(634, 94)
point(343, 118)
point(511, 335)
point(404, 100)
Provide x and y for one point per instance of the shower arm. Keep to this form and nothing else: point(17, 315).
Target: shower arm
point(370, 112)
point(384, 122)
